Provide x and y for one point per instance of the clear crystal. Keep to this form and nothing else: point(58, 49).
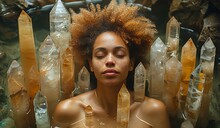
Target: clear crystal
point(172, 36)
point(139, 82)
point(41, 113)
point(172, 75)
point(123, 107)
point(194, 96)
point(49, 66)
point(188, 60)
point(59, 26)
point(18, 96)
point(157, 68)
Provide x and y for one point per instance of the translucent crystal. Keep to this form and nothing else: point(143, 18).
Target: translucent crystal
point(26, 43)
point(49, 66)
point(41, 113)
point(188, 60)
point(207, 61)
point(83, 82)
point(157, 68)
point(139, 82)
point(187, 124)
point(89, 119)
point(194, 96)
point(18, 96)
point(172, 75)
point(59, 26)
point(123, 107)
point(67, 68)
point(172, 36)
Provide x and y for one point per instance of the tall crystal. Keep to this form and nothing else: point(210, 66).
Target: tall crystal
point(172, 77)
point(59, 26)
point(18, 96)
point(194, 96)
point(157, 68)
point(123, 107)
point(26, 43)
point(139, 82)
point(89, 119)
point(188, 60)
point(49, 66)
point(83, 82)
point(172, 37)
point(41, 113)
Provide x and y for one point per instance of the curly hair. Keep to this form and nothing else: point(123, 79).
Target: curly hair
point(137, 31)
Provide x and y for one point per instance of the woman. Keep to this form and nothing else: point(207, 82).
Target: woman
point(113, 41)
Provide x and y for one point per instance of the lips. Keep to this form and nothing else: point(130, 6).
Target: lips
point(110, 72)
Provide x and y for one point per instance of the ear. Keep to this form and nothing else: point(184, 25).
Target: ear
point(131, 65)
point(91, 65)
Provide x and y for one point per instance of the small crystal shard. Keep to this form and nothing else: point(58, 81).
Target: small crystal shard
point(59, 26)
point(188, 60)
point(173, 70)
point(139, 82)
point(83, 83)
point(89, 119)
point(41, 113)
point(49, 66)
point(157, 68)
point(123, 107)
point(18, 96)
point(194, 96)
point(172, 36)
point(26, 43)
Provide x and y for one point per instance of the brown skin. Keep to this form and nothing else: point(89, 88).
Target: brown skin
point(110, 63)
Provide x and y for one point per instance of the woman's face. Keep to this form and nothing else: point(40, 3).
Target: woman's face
point(110, 59)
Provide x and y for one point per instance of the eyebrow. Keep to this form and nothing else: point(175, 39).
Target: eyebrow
point(103, 49)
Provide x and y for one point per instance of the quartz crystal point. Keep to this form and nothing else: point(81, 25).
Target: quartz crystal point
point(123, 107)
point(59, 26)
point(139, 82)
point(41, 113)
point(194, 96)
point(49, 66)
point(89, 119)
point(83, 83)
point(26, 43)
point(67, 74)
point(172, 37)
point(18, 96)
point(172, 77)
point(188, 60)
point(157, 68)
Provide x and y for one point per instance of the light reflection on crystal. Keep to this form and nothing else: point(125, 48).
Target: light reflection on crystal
point(139, 82)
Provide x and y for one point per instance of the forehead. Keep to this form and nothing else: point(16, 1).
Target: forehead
point(108, 40)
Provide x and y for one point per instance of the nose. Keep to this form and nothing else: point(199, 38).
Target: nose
point(110, 62)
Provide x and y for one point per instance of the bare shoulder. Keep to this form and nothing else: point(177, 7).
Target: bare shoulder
point(154, 111)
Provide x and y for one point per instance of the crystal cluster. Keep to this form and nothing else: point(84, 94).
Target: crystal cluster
point(139, 82)
point(172, 37)
point(123, 107)
point(172, 77)
point(18, 96)
point(49, 66)
point(194, 96)
point(41, 113)
point(157, 68)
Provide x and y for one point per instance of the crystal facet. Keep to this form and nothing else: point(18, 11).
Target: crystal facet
point(59, 26)
point(194, 96)
point(157, 68)
point(173, 70)
point(18, 96)
point(41, 113)
point(172, 36)
point(123, 107)
point(139, 82)
point(49, 66)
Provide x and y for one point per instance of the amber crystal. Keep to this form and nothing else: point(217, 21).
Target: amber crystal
point(89, 119)
point(123, 107)
point(67, 73)
point(26, 43)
